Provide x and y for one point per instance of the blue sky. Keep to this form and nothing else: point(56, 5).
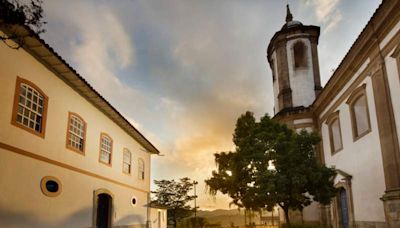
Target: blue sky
point(182, 71)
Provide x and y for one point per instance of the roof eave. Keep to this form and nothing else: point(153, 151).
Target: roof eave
point(39, 49)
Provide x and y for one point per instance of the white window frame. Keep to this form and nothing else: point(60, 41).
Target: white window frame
point(105, 148)
point(125, 162)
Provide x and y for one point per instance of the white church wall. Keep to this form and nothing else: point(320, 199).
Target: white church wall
point(311, 212)
point(346, 87)
point(301, 80)
point(361, 159)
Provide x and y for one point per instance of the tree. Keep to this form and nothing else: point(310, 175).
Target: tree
point(234, 176)
point(174, 195)
point(13, 14)
point(272, 165)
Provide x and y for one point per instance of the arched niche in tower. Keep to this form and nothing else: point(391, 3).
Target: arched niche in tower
point(300, 54)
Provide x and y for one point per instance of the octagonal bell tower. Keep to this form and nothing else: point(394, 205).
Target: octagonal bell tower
point(293, 58)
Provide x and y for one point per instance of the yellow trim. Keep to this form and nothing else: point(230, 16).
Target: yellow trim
point(66, 166)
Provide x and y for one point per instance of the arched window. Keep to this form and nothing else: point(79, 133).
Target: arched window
point(126, 161)
point(300, 54)
point(335, 134)
point(359, 112)
point(141, 169)
point(76, 133)
point(106, 144)
point(30, 107)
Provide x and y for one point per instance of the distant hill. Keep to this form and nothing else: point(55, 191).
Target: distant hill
point(226, 217)
point(223, 217)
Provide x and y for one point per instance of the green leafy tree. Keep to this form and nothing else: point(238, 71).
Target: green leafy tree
point(272, 165)
point(234, 176)
point(174, 195)
point(15, 13)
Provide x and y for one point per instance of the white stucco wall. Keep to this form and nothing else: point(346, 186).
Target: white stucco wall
point(158, 218)
point(20, 176)
point(22, 204)
point(361, 159)
point(301, 80)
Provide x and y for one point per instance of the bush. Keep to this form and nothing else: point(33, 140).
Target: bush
point(303, 226)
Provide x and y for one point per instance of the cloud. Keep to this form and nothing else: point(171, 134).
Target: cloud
point(97, 46)
point(327, 12)
point(200, 65)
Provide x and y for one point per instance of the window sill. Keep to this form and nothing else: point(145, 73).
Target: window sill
point(355, 138)
point(76, 150)
point(104, 163)
point(336, 151)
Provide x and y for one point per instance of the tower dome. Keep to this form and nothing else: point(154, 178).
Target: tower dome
point(289, 20)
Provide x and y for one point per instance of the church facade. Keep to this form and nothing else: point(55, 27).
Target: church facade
point(67, 157)
point(357, 115)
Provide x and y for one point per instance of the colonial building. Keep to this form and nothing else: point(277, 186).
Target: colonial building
point(67, 157)
point(357, 115)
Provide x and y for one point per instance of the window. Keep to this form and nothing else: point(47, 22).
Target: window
point(359, 112)
point(141, 169)
point(50, 186)
point(127, 161)
point(30, 107)
point(106, 144)
point(76, 133)
point(133, 201)
point(300, 54)
point(335, 135)
point(396, 55)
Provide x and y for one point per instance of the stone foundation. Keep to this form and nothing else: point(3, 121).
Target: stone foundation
point(391, 203)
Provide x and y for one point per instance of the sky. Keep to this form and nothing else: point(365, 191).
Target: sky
point(183, 71)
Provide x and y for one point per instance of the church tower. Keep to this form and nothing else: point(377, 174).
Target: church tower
point(293, 58)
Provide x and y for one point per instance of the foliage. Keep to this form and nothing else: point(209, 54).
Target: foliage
point(174, 195)
point(193, 222)
point(15, 12)
point(303, 226)
point(271, 165)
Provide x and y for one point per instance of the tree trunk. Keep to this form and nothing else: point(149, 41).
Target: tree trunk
point(245, 218)
point(286, 211)
point(175, 222)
